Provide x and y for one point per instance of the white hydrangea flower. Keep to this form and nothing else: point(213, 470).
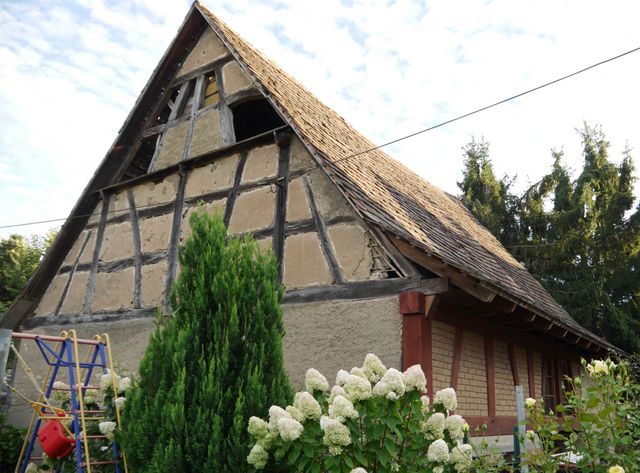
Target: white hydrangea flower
point(124, 385)
point(308, 406)
point(438, 469)
point(438, 451)
point(355, 371)
point(257, 427)
point(357, 388)
point(60, 385)
point(104, 448)
point(105, 380)
point(426, 403)
point(290, 429)
point(337, 391)
point(295, 413)
point(258, 457)
point(616, 469)
point(358, 470)
point(89, 398)
point(597, 367)
point(461, 457)
point(530, 403)
point(323, 422)
point(341, 377)
point(315, 381)
point(119, 402)
point(414, 378)
point(342, 408)
point(336, 436)
point(275, 414)
point(391, 385)
point(435, 425)
point(455, 425)
point(373, 368)
point(447, 397)
point(31, 468)
point(107, 429)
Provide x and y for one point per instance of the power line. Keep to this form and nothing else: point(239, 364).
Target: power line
point(402, 138)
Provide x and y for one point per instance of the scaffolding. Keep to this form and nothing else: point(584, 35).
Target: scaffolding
point(64, 431)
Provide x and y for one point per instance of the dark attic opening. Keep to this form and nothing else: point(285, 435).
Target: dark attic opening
point(140, 163)
point(254, 117)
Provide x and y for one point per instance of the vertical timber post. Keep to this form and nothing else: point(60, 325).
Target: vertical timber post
point(416, 333)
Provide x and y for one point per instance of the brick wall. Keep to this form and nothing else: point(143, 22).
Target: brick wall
point(472, 382)
point(443, 336)
point(537, 366)
point(521, 362)
point(505, 390)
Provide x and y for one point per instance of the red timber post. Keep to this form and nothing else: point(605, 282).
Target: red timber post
point(416, 333)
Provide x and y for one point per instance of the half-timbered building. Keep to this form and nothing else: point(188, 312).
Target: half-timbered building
point(373, 257)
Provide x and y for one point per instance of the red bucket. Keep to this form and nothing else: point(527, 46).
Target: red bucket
point(54, 441)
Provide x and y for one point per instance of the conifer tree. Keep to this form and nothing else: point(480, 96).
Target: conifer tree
point(217, 361)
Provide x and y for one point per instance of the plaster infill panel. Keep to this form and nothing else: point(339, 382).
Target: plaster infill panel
point(156, 193)
point(297, 202)
point(206, 134)
point(262, 163)
point(207, 50)
point(265, 244)
point(216, 176)
point(74, 252)
point(234, 79)
point(119, 204)
point(153, 278)
point(114, 290)
point(117, 242)
point(300, 157)
point(212, 208)
point(253, 210)
point(304, 262)
point(173, 143)
point(328, 199)
point(335, 335)
point(155, 232)
point(87, 255)
point(51, 297)
point(350, 244)
point(74, 300)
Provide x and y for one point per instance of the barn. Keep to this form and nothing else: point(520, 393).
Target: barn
point(373, 257)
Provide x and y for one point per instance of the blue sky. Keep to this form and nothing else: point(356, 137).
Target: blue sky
point(71, 70)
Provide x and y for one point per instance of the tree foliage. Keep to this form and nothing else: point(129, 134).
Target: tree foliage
point(214, 364)
point(19, 258)
point(580, 237)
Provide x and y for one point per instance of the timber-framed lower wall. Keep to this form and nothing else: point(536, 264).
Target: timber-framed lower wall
point(481, 360)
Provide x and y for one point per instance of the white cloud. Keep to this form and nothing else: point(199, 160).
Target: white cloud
point(70, 71)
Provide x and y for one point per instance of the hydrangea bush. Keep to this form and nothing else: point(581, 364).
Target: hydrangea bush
point(373, 420)
point(600, 423)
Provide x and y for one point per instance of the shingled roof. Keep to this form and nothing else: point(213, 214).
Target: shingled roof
point(391, 196)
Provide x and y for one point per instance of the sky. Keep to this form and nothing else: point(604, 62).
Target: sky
point(70, 71)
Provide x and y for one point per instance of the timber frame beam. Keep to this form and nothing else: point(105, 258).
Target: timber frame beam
point(433, 264)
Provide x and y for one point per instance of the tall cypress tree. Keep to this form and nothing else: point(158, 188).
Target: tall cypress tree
point(216, 362)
